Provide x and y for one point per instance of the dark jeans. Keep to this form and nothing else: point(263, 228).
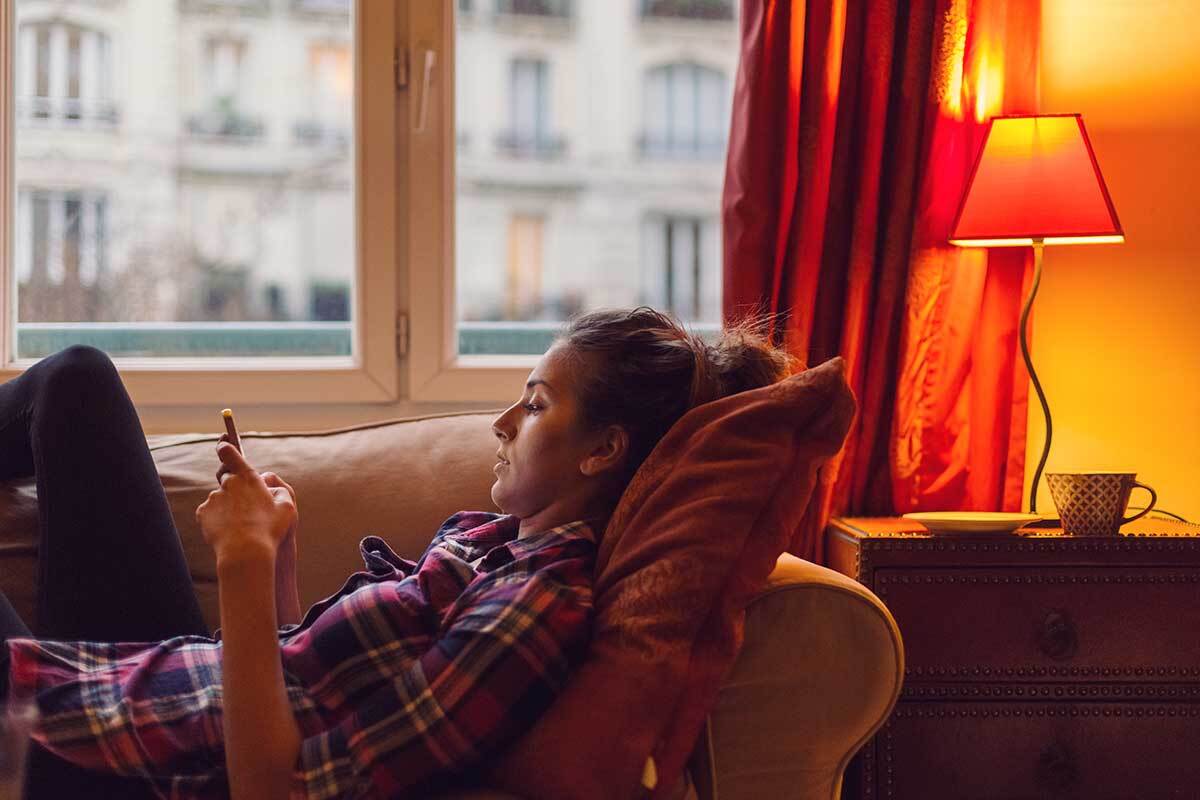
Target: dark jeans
point(110, 565)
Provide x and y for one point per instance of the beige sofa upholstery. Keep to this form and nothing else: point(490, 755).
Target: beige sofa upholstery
point(822, 662)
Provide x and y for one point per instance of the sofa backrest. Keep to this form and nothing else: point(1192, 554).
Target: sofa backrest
point(398, 479)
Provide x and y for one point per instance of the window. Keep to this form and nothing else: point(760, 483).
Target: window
point(529, 131)
point(624, 211)
point(680, 267)
point(61, 242)
point(523, 289)
point(202, 243)
point(330, 301)
point(331, 78)
point(686, 112)
point(64, 75)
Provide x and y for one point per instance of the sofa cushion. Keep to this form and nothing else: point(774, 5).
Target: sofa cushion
point(693, 538)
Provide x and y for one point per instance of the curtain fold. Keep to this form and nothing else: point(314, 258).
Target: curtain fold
point(854, 126)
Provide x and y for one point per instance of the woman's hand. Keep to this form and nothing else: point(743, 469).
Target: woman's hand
point(287, 589)
point(246, 517)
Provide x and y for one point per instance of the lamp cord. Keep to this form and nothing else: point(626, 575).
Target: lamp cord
point(1157, 510)
point(1037, 279)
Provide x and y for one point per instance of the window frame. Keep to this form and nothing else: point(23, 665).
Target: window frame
point(373, 374)
point(435, 370)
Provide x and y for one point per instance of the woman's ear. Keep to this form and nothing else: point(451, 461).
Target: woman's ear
point(609, 452)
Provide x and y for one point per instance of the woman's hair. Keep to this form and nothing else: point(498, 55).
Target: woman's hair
point(642, 370)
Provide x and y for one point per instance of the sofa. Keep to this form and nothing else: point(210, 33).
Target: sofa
point(819, 672)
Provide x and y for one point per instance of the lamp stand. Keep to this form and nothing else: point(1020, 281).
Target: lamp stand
point(1038, 245)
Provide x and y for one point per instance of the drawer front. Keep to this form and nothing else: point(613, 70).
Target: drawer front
point(1012, 750)
point(1072, 623)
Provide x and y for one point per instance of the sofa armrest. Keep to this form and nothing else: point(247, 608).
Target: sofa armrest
point(818, 674)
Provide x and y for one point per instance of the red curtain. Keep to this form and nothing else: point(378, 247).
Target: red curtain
point(854, 125)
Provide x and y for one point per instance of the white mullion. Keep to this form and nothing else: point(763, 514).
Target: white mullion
point(87, 240)
point(104, 68)
point(89, 73)
point(56, 230)
point(24, 243)
point(58, 70)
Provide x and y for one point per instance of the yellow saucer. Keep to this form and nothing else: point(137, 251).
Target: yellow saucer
point(971, 521)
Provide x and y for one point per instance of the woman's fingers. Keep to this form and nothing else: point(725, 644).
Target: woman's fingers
point(274, 480)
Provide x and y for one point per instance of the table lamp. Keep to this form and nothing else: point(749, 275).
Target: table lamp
point(1035, 182)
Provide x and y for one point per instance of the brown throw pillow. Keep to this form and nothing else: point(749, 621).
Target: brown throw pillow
point(694, 536)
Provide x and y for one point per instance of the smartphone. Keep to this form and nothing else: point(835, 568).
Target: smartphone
point(231, 428)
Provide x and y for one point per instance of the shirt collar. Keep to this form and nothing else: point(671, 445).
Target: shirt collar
point(506, 529)
point(579, 529)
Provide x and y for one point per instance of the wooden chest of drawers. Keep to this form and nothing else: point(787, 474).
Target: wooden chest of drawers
point(1037, 665)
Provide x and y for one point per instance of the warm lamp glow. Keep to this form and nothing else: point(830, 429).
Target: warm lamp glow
point(1036, 178)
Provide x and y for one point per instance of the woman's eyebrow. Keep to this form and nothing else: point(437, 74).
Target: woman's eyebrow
point(536, 381)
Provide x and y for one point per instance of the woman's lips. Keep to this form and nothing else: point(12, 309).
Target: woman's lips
point(499, 466)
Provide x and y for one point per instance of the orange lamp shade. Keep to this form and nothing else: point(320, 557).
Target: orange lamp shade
point(1036, 178)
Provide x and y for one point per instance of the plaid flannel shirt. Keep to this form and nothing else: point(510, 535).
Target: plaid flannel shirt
point(407, 676)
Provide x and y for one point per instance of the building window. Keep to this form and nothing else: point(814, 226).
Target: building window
point(223, 113)
point(61, 254)
point(681, 267)
point(330, 301)
point(523, 287)
point(65, 75)
point(689, 9)
point(686, 112)
point(225, 294)
point(331, 82)
point(530, 128)
point(62, 237)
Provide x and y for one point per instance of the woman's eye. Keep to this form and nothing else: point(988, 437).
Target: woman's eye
point(532, 407)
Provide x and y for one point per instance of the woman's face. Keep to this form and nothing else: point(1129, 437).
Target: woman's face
point(551, 470)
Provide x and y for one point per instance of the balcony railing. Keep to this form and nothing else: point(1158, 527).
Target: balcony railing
point(314, 133)
point(243, 6)
point(228, 125)
point(531, 145)
point(658, 146)
point(339, 7)
point(716, 10)
point(67, 112)
point(560, 9)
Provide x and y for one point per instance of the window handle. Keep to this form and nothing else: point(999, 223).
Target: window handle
point(427, 65)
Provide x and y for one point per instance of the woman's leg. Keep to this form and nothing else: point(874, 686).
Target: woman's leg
point(49, 776)
point(110, 565)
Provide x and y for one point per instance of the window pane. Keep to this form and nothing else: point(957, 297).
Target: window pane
point(184, 177)
point(589, 163)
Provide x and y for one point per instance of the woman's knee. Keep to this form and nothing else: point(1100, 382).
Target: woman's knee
point(78, 369)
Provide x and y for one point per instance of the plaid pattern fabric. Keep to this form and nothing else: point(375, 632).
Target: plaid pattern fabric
point(408, 674)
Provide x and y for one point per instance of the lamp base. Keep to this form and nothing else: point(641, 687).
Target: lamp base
point(1046, 522)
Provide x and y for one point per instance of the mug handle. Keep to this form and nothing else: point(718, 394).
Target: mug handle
point(1146, 510)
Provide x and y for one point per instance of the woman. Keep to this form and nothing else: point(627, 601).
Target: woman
point(413, 672)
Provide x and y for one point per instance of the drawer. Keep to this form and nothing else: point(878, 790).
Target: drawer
point(1070, 623)
point(1014, 750)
